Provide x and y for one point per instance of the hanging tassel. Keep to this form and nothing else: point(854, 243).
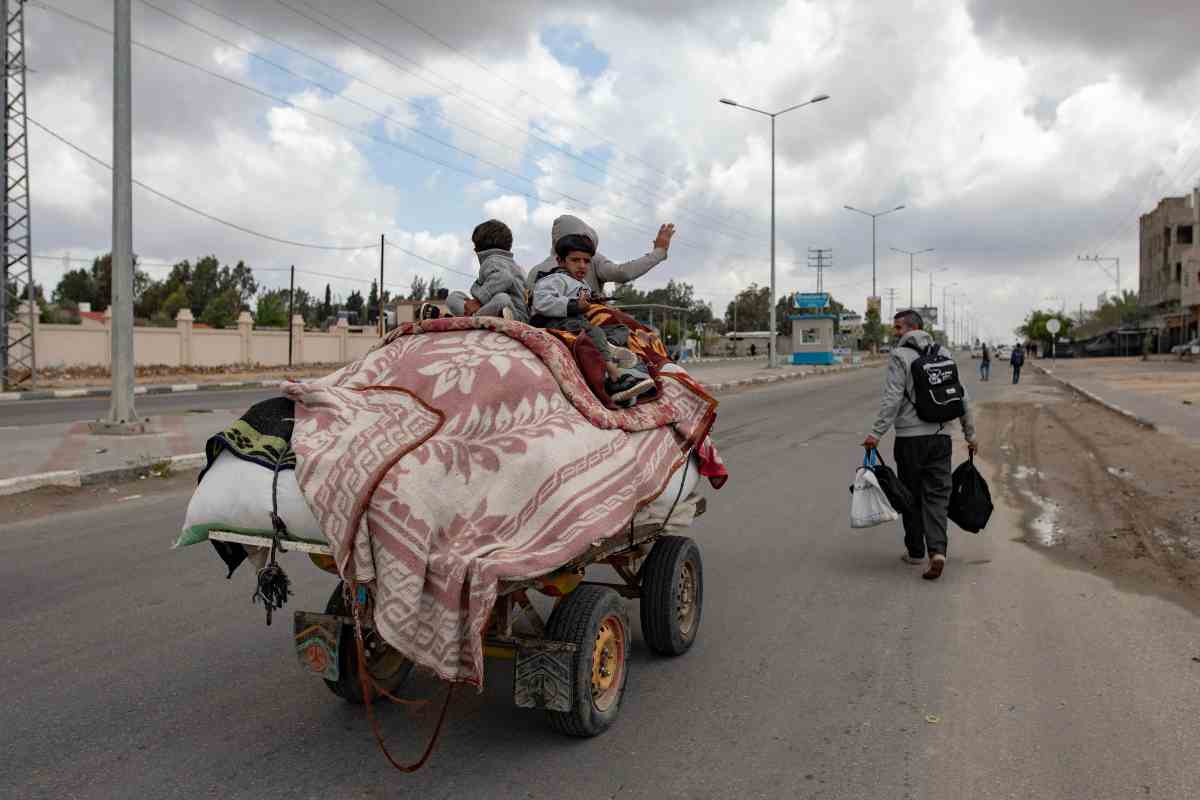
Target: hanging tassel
point(273, 585)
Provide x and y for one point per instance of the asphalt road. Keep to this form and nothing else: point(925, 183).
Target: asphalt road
point(24, 413)
point(825, 667)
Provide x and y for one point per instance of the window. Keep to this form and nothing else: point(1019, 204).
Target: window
point(1183, 234)
point(1178, 271)
point(810, 336)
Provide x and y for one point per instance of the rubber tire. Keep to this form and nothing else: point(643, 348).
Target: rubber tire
point(348, 686)
point(577, 620)
point(661, 575)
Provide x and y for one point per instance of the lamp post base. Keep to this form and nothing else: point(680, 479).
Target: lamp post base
point(104, 427)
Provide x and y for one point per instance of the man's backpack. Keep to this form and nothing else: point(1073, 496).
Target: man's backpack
point(938, 394)
point(1018, 357)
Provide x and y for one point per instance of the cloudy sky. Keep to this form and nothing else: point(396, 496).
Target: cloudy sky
point(1018, 134)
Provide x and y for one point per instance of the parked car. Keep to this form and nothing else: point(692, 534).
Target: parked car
point(1187, 347)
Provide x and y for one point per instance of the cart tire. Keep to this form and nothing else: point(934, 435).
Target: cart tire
point(389, 669)
point(672, 595)
point(594, 619)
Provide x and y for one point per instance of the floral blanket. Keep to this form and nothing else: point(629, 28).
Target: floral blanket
point(465, 452)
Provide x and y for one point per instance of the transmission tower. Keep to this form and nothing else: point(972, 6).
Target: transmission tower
point(18, 364)
point(891, 293)
point(820, 259)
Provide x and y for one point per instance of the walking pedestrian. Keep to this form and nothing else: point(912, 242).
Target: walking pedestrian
point(985, 364)
point(923, 449)
point(1017, 360)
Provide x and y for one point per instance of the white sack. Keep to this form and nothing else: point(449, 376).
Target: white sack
point(869, 506)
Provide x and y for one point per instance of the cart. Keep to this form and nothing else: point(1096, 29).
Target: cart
point(574, 665)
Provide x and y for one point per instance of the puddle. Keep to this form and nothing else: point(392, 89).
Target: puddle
point(1044, 526)
point(1120, 472)
point(1022, 473)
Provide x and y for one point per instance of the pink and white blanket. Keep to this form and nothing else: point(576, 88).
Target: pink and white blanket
point(466, 452)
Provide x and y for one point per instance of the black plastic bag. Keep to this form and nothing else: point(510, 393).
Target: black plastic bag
point(970, 499)
point(897, 493)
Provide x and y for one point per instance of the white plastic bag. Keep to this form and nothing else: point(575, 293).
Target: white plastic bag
point(869, 506)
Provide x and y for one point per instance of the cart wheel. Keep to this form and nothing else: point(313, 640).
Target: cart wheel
point(594, 619)
point(384, 663)
point(672, 595)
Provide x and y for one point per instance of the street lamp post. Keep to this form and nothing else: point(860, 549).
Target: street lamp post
point(911, 269)
point(771, 360)
point(874, 215)
point(946, 311)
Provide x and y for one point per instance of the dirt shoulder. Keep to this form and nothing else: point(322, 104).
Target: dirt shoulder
point(1096, 490)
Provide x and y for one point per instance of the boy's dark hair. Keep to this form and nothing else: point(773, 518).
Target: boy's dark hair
point(575, 243)
point(910, 318)
point(492, 235)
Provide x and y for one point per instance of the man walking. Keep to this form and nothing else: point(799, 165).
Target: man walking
point(1017, 360)
point(985, 364)
point(923, 448)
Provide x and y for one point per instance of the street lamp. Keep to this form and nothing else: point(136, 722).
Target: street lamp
point(911, 254)
point(945, 313)
point(874, 215)
point(771, 362)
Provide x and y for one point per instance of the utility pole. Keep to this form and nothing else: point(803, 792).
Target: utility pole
point(291, 311)
point(874, 215)
point(1099, 259)
point(122, 418)
point(820, 259)
point(18, 356)
point(382, 320)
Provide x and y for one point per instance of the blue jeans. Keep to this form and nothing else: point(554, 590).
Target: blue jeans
point(985, 370)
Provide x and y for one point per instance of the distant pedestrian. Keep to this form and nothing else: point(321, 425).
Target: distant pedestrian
point(923, 448)
point(753, 351)
point(1017, 360)
point(985, 364)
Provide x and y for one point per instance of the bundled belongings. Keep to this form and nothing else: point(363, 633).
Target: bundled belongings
point(970, 498)
point(869, 504)
point(464, 453)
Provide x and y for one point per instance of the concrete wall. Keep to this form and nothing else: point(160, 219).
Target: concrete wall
point(186, 345)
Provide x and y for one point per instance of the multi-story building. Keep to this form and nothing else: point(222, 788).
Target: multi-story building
point(1169, 266)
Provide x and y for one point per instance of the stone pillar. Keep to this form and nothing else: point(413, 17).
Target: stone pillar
point(246, 330)
point(297, 339)
point(183, 327)
point(108, 339)
point(342, 329)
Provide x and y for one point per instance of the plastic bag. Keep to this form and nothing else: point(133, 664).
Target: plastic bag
point(970, 498)
point(869, 506)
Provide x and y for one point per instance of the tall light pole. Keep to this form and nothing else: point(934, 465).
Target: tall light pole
point(946, 311)
point(911, 269)
point(771, 361)
point(874, 215)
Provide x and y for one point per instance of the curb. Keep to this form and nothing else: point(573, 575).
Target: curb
point(158, 388)
point(1097, 399)
point(75, 478)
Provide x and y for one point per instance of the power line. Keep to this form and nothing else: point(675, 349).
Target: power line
point(193, 209)
point(333, 121)
point(432, 111)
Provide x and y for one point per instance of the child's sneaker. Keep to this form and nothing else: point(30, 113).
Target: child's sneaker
point(428, 311)
point(624, 357)
point(629, 386)
point(506, 312)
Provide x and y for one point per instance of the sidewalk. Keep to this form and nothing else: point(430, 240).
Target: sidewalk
point(73, 455)
point(1163, 393)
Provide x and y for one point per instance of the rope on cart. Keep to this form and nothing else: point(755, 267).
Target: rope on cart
point(273, 586)
point(367, 683)
point(687, 463)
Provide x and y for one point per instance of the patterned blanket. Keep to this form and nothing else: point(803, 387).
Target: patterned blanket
point(469, 451)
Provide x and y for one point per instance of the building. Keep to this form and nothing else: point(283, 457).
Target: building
point(1169, 267)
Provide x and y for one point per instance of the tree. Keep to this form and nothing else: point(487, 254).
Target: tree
point(1034, 328)
point(354, 304)
point(222, 310)
point(77, 286)
point(272, 309)
point(241, 280)
point(417, 289)
point(326, 307)
point(751, 309)
point(872, 329)
point(176, 301)
point(373, 303)
point(435, 287)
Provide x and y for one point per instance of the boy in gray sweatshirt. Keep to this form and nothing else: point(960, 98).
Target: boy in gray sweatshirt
point(560, 300)
point(499, 291)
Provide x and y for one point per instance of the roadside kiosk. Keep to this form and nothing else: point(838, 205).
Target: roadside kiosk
point(812, 329)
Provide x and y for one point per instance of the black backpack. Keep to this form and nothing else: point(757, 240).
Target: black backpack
point(970, 499)
point(938, 394)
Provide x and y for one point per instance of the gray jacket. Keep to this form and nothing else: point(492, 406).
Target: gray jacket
point(553, 295)
point(897, 407)
point(603, 269)
point(498, 272)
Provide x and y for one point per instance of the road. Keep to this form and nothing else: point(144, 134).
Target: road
point(23, 413)
point(825, 667)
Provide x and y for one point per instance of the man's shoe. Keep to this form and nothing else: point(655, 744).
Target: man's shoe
point(937, 563)
point(627, 387)
point(907, 559)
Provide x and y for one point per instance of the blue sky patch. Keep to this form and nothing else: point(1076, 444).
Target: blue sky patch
point(570, 45)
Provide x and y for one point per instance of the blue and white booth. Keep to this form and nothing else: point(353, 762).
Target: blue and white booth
point(812, 329)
